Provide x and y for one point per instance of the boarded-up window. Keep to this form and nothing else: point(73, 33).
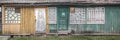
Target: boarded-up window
point(12, 15)
point(90, 15)
point(52, 15)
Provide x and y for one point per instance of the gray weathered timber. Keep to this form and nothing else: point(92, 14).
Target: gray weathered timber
point(61, 1)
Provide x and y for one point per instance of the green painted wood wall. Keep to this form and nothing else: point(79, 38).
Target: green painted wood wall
point(112, 22)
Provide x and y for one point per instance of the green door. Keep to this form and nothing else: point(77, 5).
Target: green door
point(62, 18)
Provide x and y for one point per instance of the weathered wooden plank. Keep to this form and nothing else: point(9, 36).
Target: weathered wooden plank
point(11, 29)
point(3, 13)
point(8, 28)
point(27, 20)
point(47, 1)
point(25, 27)
point(47, 28)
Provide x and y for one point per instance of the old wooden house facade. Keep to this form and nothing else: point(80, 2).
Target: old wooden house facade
point(51, 16)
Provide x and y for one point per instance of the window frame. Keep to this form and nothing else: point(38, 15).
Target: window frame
point(5, 15)
point(85, 21)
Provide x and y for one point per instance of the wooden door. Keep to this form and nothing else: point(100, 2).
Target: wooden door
point(62, 18)
point(40, 20)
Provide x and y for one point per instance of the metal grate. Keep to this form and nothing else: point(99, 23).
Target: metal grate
point(87, 19)
point(11, 16)
point(52, 19)
point(52, 15)
point(95, 15)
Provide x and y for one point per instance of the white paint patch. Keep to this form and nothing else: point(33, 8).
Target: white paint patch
point(40, 20)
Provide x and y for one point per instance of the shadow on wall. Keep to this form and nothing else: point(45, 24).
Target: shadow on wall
point(0, 20)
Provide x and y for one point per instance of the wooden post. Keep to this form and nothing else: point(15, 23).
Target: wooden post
point(3, 19)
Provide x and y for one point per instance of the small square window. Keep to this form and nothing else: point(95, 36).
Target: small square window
point(12, 15)
point(17, 10)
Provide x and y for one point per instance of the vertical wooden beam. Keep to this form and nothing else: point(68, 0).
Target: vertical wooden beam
point(33, 20)
point(21, 19)
point(3, 13)
point(47, 28)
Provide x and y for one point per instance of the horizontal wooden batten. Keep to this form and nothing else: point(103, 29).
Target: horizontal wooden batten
point(49, 1)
